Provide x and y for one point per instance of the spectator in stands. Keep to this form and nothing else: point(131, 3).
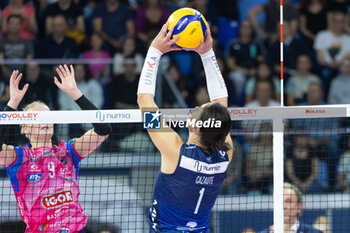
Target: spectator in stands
point(301, 164)
point(242, 55)
point(168, 97)
point(201, 96)
point(100, 71)
point(258, 168)
point(312, 19)
point(263, 72)
point(314, 95)
point(339, 88)
point(272, 18)
point(334, 6)
point(74, 18)
point(293, 47)
point(293, 205)
point(128, 49)
point(331, 46)
point(12, 46)
point(123, 85)
point(150, 19)
point(28, 23)
point(107, 15)
point(41, 87)
point(57, 45)
point(208, 12)
point(232, 183)
point(263, 95)
point(227, 8)
point(321, 223)
point(298, 84)
point(344, 169)
point(323, 141)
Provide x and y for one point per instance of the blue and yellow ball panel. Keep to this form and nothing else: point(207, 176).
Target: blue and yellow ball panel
point(189, 25)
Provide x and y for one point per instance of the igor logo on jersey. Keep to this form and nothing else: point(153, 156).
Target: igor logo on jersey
point(34, 177)
point(151, 120)
point(58, 199)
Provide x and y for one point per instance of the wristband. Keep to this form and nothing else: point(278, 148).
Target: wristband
point(101, 129)
point(148, 77)
point(215, 82)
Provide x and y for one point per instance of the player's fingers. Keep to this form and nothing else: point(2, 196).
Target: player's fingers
point(13, 77)
point(170, 33)
point(72, 70)
point(18, 79)
point(164, 29)
point(25, 87)
point(60, 73)
point(55, 80)
point(66, 69)
point(174, 40)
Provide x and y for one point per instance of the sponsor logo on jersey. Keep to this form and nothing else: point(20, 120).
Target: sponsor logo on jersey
point(34, 177)
point(44, 227)
point(47, 153)
point(33, 168)
point(64, 230)
point(202, 167)
point(58, 213)
point(35, 158)
point(69, 179)
point(57, 199)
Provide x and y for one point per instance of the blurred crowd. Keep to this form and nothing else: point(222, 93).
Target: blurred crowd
point(111, 38)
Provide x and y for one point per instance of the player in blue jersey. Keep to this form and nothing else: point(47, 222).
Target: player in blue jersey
point(191, 173)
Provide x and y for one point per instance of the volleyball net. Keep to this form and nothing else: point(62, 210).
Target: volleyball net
point(306, 146)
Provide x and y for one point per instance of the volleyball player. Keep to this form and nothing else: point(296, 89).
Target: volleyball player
point(44, 176)
point(191, 173)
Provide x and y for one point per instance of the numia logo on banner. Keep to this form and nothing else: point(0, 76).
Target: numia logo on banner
point(103, 116)
point(151, 119)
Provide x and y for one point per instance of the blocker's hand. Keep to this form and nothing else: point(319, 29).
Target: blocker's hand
point(163, 43)
point(206, 44)
point(16, 95)
point(67, 83)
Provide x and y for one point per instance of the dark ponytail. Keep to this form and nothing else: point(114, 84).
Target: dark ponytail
point(213, 138)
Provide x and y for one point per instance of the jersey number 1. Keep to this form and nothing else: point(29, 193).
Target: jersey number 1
point(201, 193)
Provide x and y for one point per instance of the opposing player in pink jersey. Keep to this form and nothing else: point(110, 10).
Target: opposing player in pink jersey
point(44, 176)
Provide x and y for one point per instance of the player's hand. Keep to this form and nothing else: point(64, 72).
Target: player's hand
point(163, 43)
point(206, 44)
point(16, 95)
point(67, 83)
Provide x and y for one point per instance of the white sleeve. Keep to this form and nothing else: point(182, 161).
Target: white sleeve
point(215, 82)
point(148, 78)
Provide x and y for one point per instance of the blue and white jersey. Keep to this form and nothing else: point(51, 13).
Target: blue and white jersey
point(182, 201)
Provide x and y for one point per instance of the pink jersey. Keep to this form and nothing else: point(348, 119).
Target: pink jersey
point(45, 184)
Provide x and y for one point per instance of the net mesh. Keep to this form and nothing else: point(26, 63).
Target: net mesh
point(116, 181)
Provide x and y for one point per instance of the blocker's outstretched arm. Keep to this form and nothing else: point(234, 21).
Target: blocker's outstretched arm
point(215, 82)
point(167, 141)
point(94, 137)
point(7, 153)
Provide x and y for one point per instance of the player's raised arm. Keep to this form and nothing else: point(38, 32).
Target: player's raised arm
point(167, 141)
point(7, 153)
point(94, 137)
point(215, 82)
